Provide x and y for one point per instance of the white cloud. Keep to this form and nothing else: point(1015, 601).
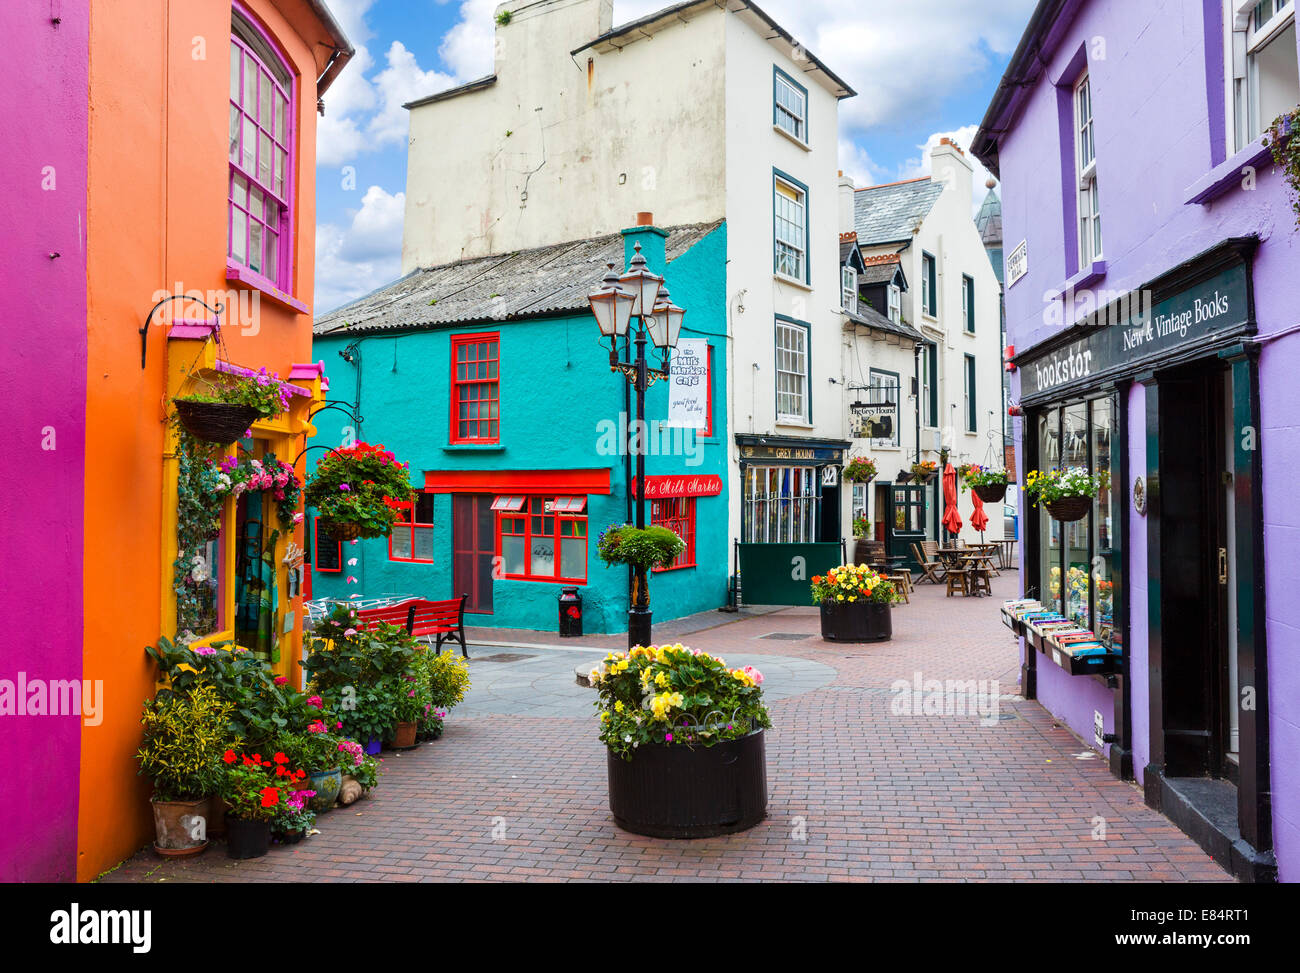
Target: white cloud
point(400, 82)
point(355, 259)
point(857, 164)
point(468, 48)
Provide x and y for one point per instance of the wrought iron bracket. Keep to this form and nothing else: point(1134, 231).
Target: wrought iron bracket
point(144, 331)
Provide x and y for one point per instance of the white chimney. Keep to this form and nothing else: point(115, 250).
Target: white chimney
point(848, 222)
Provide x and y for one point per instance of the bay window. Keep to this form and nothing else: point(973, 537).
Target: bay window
point(1263, 74)
point(261, 156)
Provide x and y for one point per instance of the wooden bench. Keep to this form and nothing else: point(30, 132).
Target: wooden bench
point(445, 620)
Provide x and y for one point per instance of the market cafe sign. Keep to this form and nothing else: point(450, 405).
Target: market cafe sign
point(659, 487)
point(1213, 307)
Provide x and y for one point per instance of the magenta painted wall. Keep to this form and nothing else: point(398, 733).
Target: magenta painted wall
point(1158, 111)
point(43, 113)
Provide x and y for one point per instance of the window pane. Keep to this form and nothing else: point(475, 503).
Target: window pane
point(240, 191)
point(264, 159)
point(512, 553)
point(278, 185)
point(271, 241)
point(255, 245)
point(423, 543)
point(235, 54)
point(248, 161)
point(234, 134)
point(238, 236)
point(543, 556)
point(281, 116)
point(573, 558)
point(264, 103)
point(250, 84)
point(401, 543)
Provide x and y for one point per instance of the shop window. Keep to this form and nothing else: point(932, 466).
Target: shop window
point(261, 156)
point(544, 540)
point(412, 536)
point(780, 504)
point(329, 550)
point(1085, 160)
point(678, 515)
point(1263, 73)
point(1049, 530)
point(791, 372)
point(1104, 542)
point(475, 388)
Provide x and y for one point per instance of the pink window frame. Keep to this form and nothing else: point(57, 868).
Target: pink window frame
point(282, 280)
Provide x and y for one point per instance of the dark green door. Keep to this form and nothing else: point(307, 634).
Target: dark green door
point(905, 521)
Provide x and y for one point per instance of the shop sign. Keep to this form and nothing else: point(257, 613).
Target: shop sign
point(1149, 333)
point(792, 454)
point(688, 389)
point(701, 485)
point(1017, 263)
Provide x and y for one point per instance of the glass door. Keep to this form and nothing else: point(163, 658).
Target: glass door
point(906, 521)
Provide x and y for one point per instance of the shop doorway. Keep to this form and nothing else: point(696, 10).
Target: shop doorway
point(473, 541)
point(900, 519)
point(254, 593)
point(1197, 620)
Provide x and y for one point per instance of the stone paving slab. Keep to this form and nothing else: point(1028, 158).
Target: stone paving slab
point(859, 790)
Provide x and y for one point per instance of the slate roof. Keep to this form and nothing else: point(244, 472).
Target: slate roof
point(871, 318)
point(989, 220)
point(891, 213)
point(533, 283)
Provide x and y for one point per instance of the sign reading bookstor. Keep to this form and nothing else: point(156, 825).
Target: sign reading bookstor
point(1207, 310)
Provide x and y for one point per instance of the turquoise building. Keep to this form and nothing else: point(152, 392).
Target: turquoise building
point(486, 375)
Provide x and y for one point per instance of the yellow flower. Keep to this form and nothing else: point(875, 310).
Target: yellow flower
point(618, 706)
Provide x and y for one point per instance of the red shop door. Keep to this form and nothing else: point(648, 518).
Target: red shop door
point(473, 542)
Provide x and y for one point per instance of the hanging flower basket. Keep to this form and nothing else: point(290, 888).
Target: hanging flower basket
point(357, 491)
point(1069, 508)
point(215, 422)
point(339, 530)
point(991, 492)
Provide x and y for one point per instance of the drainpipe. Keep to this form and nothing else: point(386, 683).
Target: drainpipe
point(916, 373)
point(341, 55)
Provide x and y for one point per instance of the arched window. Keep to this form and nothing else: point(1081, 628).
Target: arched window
point(262, 141)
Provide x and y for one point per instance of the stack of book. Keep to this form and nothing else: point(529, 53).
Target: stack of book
point(1074, 648)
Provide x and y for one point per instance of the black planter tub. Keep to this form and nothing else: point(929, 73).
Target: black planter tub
point(858, 621)
point(678, 791)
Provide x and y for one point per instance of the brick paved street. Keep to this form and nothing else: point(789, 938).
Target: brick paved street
point(516, 787)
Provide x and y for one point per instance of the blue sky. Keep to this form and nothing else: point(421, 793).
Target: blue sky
point(922, 69)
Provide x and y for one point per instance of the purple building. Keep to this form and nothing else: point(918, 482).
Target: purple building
point(1153, 303)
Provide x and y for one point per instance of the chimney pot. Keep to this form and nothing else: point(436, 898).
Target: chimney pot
point(645, 219)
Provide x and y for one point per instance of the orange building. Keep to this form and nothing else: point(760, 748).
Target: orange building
point(197, 178)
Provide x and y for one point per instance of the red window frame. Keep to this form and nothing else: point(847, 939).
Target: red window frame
point(316, 565)
point(408, 524)
point(272, 123)
point(521, 524)
point(489, 387)
point(678, 515)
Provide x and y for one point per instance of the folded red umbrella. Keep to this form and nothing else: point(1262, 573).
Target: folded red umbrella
point(978, 518)
point(951, 519)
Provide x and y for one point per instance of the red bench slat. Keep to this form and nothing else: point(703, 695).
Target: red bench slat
point(421, 617)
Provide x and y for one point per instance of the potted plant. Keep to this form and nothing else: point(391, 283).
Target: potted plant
point(294, 817)
point(221, 411)
point(855, 604)
point(409, 703)
point(323, 767)
point(861, 527)
point(1067, 493)
point(1280, 138)
point(860, 470)
point(354, 490)
point(255, 800)
point(990, 485)
point(641, 547)
point(923, 472)
point(447, 678)
point(684, 742)
point(184, 738)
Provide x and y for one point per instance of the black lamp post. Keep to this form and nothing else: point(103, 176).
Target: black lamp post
point(639, 294)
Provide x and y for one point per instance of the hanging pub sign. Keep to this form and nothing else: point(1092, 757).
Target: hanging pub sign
point(1147, 333)
point(873, 421)
point(699, 485)
point(688, 384)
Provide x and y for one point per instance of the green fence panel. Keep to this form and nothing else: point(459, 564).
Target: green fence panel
point(780, 574)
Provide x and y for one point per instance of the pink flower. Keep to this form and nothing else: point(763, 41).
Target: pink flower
point(315, 702)
point(350, 632)
point(281, 680)
point(344, 487)
point(205, 650)
point(668, 738)
point(297, 518)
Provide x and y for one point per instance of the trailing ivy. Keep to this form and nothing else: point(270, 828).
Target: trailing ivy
point(1283, 141)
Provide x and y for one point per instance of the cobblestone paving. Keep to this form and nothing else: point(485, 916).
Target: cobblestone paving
point(516, 790)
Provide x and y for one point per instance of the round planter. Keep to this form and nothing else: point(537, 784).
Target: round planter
point(404, 736)
point(247, 839)
point(178, 825)
point(373, 746)
point(857, 621)
point(1069, 508)
point(326, 784)
point(678, 791)
point(990, 493)
point(215, 422)
point(341, 530)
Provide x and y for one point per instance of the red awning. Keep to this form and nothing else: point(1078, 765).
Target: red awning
point(510, 504)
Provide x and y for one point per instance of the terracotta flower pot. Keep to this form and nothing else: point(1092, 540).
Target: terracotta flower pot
point(404, 736)
point(180, 827)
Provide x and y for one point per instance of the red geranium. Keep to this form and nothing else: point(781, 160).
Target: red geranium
point(270, 796)
point(229, 756)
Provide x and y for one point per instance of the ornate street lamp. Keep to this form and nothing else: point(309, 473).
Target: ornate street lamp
point(639, 294)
